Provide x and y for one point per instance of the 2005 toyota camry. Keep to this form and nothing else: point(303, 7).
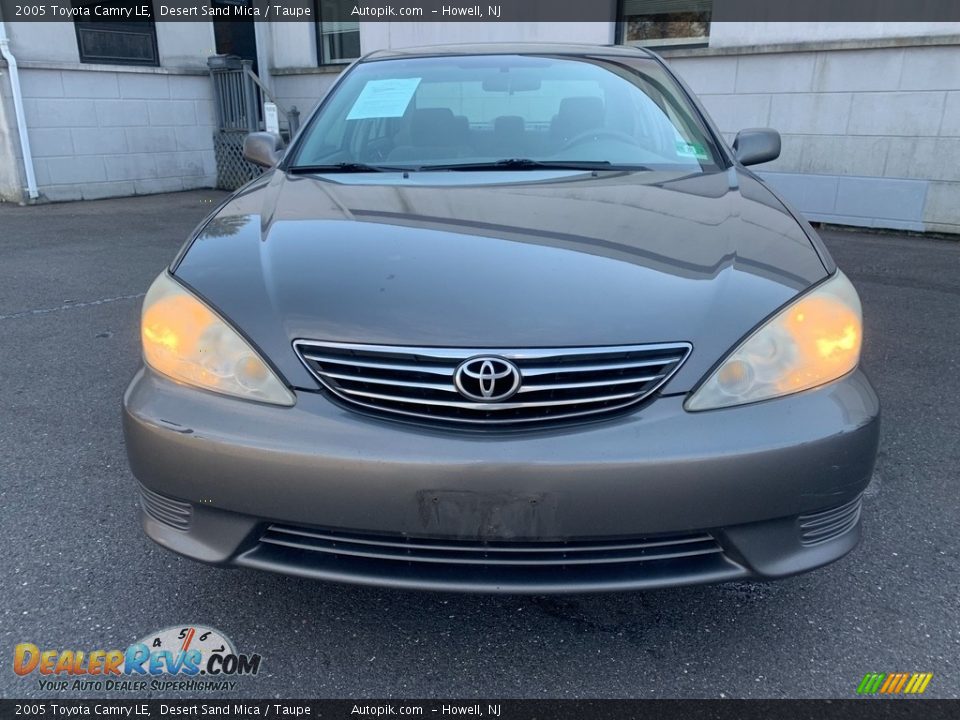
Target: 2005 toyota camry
point(505, 318)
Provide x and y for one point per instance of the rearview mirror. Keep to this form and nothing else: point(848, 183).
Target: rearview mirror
point(511, 83)
point(756, 145)
point(262, 148)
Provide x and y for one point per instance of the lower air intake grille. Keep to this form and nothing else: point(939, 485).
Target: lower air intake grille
point(518, 554)
point(165, 510)
point(491, 387)
point(822, 526)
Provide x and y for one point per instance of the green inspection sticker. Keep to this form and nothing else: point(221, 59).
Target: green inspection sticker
point(691, 150)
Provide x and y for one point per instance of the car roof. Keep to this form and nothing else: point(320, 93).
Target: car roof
point(576, 49)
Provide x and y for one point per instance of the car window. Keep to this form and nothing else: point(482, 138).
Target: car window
point(473, 109)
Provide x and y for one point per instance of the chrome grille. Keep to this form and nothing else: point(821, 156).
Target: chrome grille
point(557, 385)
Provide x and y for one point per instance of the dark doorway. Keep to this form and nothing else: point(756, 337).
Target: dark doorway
point(235, 37)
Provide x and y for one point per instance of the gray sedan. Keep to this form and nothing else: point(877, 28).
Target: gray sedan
point(505, 319)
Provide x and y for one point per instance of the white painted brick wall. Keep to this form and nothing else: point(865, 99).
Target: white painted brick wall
point(870, 136)
point(98, 133)
point(858, 70)
point(941, 206)
point(810, 113)
point(12, 178)
point(950, 126)
point(304, 91)
point(906, 114)
point(841, 155)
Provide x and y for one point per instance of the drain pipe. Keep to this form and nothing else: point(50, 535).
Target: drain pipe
point(18, 111)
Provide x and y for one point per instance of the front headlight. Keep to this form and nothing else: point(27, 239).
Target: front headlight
point(812, 341)
point(185, 340)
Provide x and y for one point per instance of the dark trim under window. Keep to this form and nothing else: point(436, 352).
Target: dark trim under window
point(116, 40)
point(338, 40)
point(664, 23)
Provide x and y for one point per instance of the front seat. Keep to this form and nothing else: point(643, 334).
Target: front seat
point(576, 115)
point(434, 133)
point(509, 133)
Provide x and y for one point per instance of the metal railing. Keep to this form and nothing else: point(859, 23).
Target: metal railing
point(237, 91)
point(237, 94)
point(292, 114)
point(234, 94)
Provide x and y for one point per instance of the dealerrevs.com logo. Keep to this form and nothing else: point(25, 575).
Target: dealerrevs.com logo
point(191, 658)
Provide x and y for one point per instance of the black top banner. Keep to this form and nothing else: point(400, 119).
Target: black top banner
point(469, 10)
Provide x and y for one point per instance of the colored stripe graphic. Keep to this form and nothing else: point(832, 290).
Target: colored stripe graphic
point(864, 684)
point(894, 683)
point(898, 683)
point(871, 683)
point(891, 680)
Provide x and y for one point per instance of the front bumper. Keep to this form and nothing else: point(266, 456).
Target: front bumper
point(654, 498)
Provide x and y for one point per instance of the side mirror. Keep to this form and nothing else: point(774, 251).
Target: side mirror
point(262, 148)
point(756, 145)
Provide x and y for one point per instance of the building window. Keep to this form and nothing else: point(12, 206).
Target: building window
point(665, 22)
point(116, 41)
point(338, 41)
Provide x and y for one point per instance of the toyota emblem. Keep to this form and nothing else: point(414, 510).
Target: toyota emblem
point(487, 378)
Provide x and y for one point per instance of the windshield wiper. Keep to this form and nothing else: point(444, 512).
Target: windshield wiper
point(346, 167)
point(505, 164)
point(530, 164)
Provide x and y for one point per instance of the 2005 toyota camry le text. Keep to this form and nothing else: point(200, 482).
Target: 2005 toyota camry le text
point(505, 319)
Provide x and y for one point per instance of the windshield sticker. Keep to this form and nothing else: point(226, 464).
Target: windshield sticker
point(384, 98)
point(691, 150)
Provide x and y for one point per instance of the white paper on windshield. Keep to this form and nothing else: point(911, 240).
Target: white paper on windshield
point(384, 98)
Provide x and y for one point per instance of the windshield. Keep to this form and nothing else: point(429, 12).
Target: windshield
point(454, 112)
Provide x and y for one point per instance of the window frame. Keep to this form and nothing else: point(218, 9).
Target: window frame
point(144, 28)
point(620, 34)
point(318, 34)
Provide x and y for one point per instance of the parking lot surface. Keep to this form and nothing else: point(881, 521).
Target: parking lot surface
point(79, 574)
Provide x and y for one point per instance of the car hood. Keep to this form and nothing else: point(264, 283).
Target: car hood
point(483, 260)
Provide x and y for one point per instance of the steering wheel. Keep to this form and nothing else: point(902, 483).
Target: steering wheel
point(593, 133)
point(377, 154)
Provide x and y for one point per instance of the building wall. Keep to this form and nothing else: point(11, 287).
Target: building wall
point(739, 34)
point(302, 89)
point(11, 180)
point(105, 133)
point(297, 80)
point(871, 137)
point(180, 44)
point(375, 36)
point(108, 130)
point(292, 45)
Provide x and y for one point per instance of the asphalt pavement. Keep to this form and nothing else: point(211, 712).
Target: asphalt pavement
point(78, 573)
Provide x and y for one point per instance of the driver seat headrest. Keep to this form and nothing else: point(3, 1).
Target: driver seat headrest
point(577, 115)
